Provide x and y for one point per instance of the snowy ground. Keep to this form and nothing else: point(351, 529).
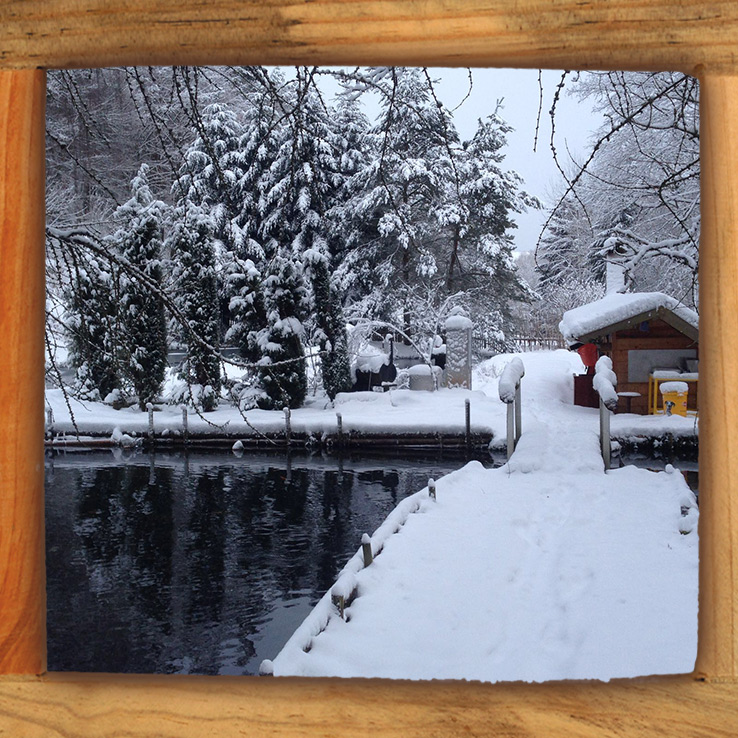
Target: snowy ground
point(518, 576)
point(547, 397)
point(547, 568)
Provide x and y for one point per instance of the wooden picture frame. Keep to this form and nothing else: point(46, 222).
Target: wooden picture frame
point(695, 37)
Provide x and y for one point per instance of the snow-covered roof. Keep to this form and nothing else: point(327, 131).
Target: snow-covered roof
point(622, 310)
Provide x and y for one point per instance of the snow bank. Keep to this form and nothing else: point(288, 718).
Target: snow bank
point(616, 307)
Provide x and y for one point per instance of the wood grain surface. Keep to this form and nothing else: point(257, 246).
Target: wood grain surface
point(22, 579)
point(629, 34)
point(718, 610)
point(625, 34)
point(184, 707)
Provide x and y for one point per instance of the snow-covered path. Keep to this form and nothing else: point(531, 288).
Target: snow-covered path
point(547, 568)
point(512, 576)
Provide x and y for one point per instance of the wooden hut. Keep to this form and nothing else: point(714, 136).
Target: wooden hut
point(650, 337)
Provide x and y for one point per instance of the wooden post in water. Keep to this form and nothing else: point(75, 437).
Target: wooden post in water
point(150, 408)
point(339, 424)
point(605, 434)
point(50, 422)
point(467, 417)
point(287, 425)
point(510, 429)
point(366, 549)
point(184, 423)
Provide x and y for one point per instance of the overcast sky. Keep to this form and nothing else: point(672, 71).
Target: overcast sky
point(576, 124)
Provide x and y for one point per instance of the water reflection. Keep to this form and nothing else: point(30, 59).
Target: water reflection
point(205, 563)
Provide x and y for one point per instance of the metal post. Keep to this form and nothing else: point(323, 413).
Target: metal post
point(518, 414)
point(605, 434)
point(510, 429)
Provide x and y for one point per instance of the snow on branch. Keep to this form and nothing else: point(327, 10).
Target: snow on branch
point(510, 378)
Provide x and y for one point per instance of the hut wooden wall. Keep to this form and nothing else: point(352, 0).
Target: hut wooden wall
point(659, 336)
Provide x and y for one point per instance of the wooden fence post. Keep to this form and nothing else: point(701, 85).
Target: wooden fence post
point(467, 420)
point(605, 434)
point(287, 425)
point(366, 549)
point(510, 429)
point(518, 413)
point(22, 301)
point(185, 429)
point(50, 422)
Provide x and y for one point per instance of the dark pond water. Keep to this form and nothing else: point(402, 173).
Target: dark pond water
point(206, 563)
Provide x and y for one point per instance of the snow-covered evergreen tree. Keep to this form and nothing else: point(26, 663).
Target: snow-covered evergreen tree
point(282, 366)
point(331, 326)
point(138, 240)
point(92, 329)
point(395, 198)
point(190, 245)
point(478, 250)
point(298, 191)
point(209, 177)
point(247, 263)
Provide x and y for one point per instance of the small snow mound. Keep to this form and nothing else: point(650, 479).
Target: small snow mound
point(266, 668)
point(457, 323)
point(345, 586)
point(510, 379)
point(420, 370)
point(122, 439)
point(237, 446)
point(668, 387)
